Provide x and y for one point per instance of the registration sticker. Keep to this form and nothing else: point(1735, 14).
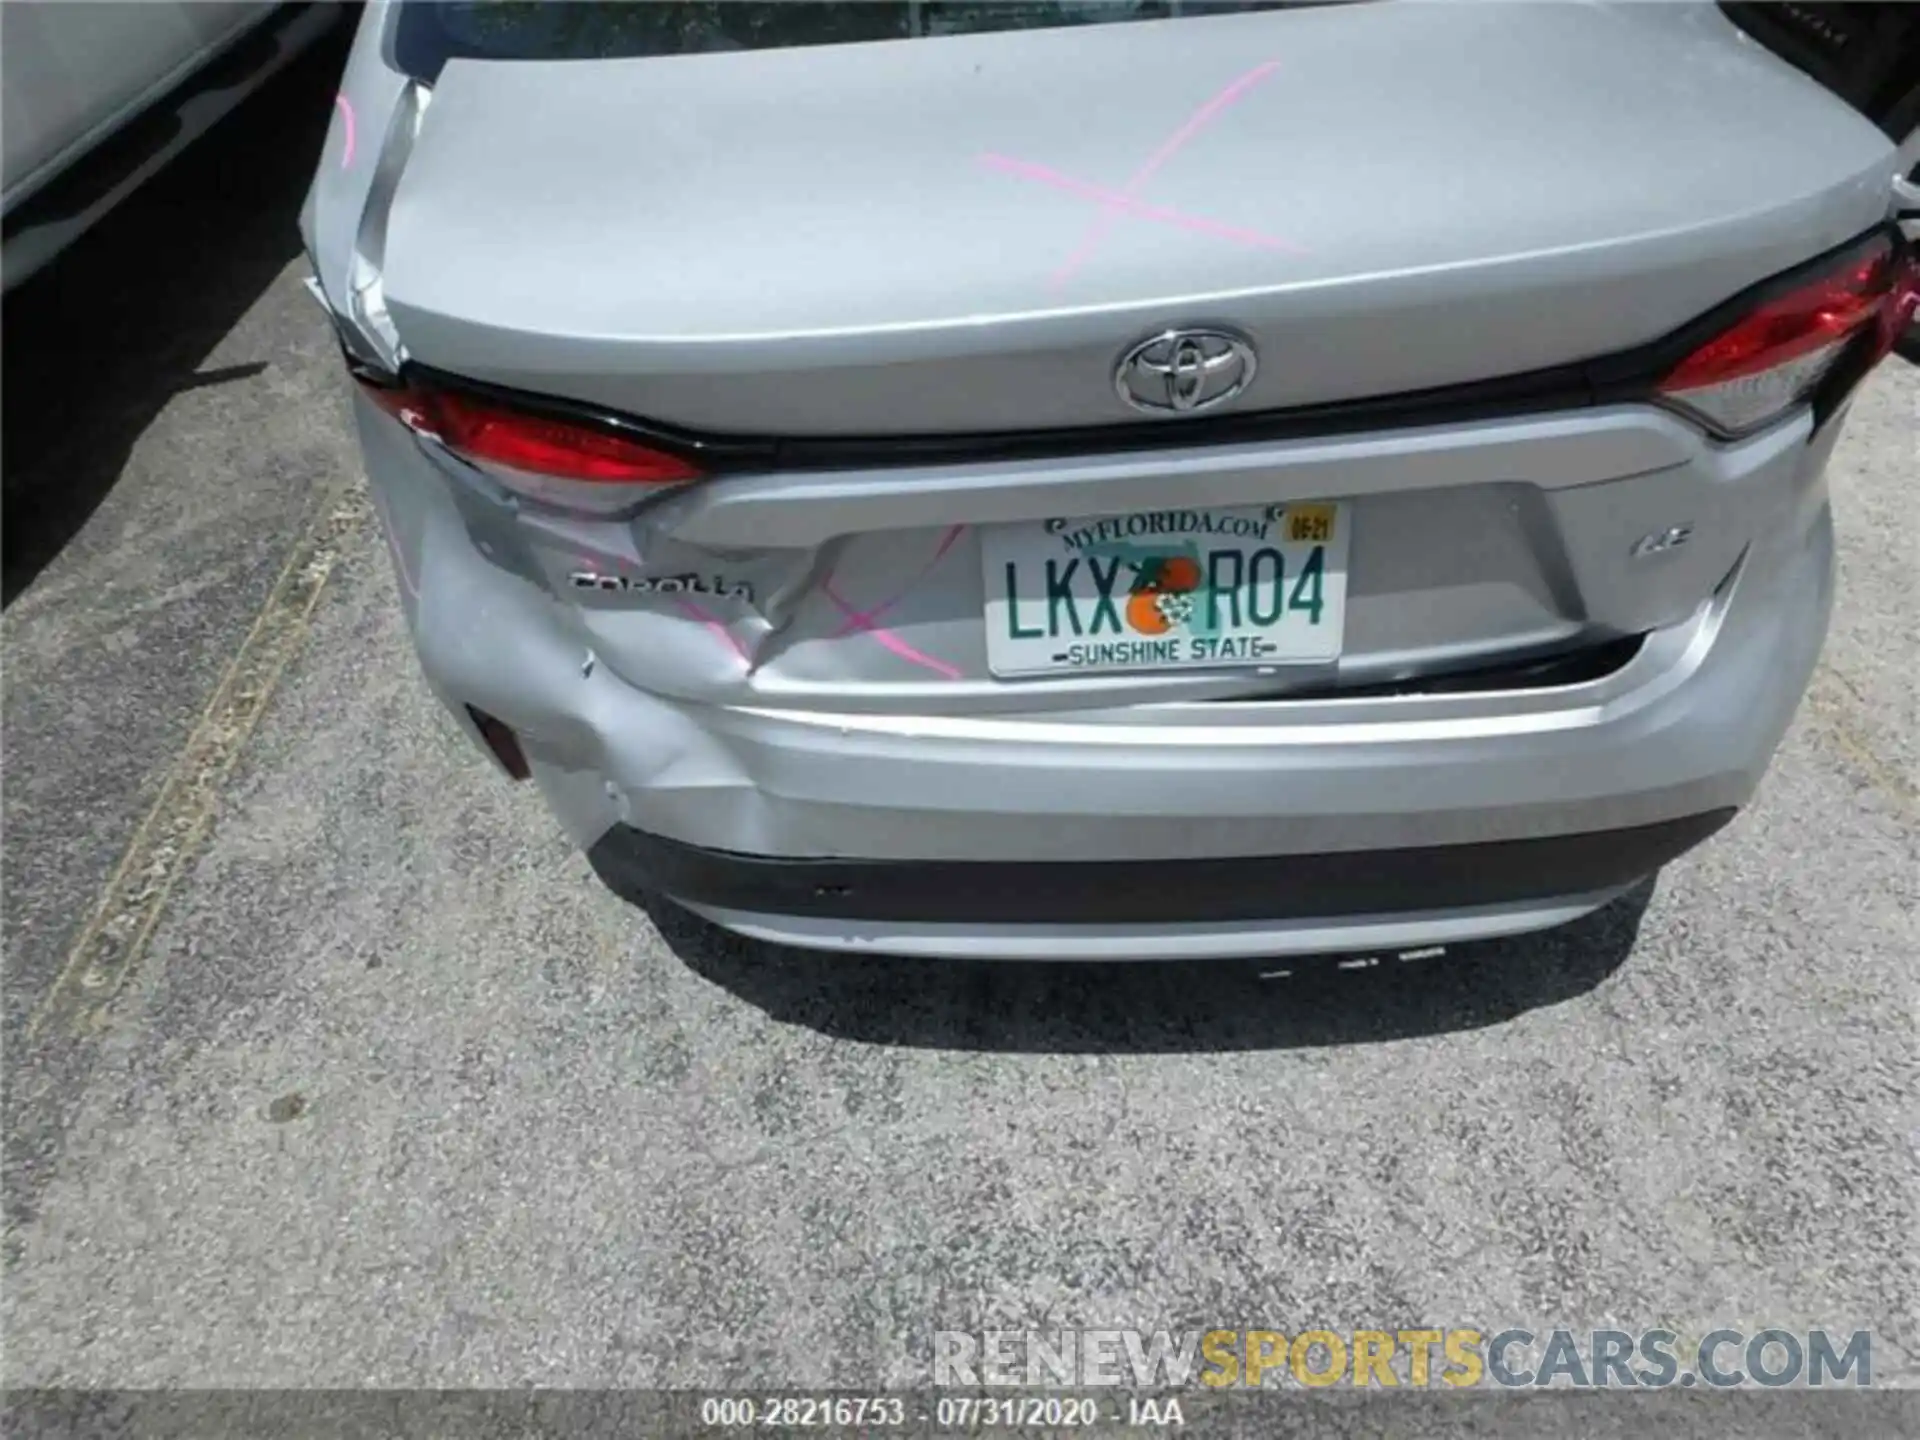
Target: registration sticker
point(1310, 523)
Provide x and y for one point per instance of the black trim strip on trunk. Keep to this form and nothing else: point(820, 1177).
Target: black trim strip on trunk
point(1177, 891)
point(1627, 376)
point(1578, 666)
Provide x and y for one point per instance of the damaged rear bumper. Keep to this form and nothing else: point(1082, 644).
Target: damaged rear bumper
point(1450, 827)
point(1494, 878)
point(1234, 827)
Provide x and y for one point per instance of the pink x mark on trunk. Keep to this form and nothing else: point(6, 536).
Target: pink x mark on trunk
point(1126, 200)
point(868, 621)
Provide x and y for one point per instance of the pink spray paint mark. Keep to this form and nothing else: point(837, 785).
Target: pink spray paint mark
point(706, 617)
point(887, 638)
point(1145, 210)
point(1122, 202)
point(864, 619)
point(859, 621)
point(345, 107)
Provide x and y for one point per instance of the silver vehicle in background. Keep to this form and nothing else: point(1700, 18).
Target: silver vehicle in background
point(98, 97)
point(1065, 480)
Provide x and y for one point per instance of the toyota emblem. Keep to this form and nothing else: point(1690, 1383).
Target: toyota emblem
point(1181, 372)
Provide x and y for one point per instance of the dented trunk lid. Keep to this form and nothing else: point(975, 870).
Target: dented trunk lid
point(962, 234)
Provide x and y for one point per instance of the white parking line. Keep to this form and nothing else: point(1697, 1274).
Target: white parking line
point(110, 946)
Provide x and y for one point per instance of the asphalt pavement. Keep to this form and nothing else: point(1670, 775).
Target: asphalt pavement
point(329, 1063)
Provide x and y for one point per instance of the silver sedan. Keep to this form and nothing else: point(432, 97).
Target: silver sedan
point(1062, 480)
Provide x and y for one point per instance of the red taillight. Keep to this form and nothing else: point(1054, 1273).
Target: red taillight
point(493, 434)
point(1774, 356)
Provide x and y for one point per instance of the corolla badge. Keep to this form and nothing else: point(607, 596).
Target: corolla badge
point(1181, 372)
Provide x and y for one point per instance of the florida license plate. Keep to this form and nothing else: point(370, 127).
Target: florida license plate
point(1168, 590)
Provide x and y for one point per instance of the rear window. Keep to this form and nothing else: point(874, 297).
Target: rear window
point(428, 33)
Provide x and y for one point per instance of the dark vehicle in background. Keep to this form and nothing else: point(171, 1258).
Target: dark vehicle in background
point(1868, 55)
